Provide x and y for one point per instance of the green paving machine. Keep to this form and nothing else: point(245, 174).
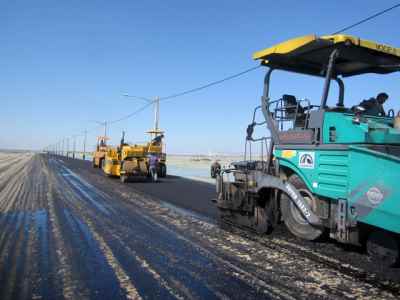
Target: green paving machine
point(329, 169)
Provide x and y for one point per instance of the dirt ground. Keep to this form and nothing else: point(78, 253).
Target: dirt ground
point(68, 231)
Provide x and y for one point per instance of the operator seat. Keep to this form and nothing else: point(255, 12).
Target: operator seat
point(294, 111)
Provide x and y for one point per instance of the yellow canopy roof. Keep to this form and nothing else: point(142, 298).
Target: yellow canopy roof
point(310, 54)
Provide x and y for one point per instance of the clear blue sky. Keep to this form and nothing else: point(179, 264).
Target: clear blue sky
point(64, 63)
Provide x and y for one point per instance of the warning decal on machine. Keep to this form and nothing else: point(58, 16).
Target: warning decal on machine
point(307, 160)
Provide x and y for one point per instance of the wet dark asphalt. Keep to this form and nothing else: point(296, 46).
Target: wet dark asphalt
point(70, 232)
point(184, 193)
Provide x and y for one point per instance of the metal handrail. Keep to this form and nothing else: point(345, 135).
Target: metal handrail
point(280, 109)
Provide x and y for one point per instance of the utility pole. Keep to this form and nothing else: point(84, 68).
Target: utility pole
point(156, 113)
point(84, 145)
point(74, 146)
point(156, 102)
point(67, 147)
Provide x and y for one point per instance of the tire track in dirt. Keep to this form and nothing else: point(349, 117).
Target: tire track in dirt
point(88, 218)
point(321, 282)
point(150, 226)
point(17, 237)
point(65, 198)
point(19, 241)
point(11, 181)
point(29, 266)
point(252, 279)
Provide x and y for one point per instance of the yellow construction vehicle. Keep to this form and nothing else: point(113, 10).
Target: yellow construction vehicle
point(128, 161)
point(100, 153)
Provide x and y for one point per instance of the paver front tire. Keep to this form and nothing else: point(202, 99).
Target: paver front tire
point(292, 216)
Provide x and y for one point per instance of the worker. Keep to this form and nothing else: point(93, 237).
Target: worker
point(215, 169)
point(153, 166)
point(374, 106)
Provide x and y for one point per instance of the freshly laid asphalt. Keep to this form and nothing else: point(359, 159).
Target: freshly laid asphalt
point(195, 196)
point(70, 232)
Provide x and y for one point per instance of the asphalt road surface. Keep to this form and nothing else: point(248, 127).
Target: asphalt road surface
point(68, 231)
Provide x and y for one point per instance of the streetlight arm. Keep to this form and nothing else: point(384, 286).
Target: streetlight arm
point(137, 97)
point(156, 102)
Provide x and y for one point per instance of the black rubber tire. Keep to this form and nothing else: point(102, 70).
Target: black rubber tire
point(94, 163)
point(384, 248)
point(162, 171)
point(293, 218)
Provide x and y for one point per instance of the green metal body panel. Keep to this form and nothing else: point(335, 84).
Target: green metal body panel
point(374, 188)
point(328, 176)
point(339, 128)
point(368, 179)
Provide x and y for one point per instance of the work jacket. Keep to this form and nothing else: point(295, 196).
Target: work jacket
point(373, 108)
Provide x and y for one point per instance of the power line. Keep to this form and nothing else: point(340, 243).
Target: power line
point(254, 68)
point(368, 18)
point(151, 102)
point(209, 84)
point(220, 81)
point(133, 113)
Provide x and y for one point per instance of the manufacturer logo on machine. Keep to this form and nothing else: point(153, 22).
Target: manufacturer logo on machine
point(298, 201)
point(307, 160)
point(385, 48)
point(374, 195)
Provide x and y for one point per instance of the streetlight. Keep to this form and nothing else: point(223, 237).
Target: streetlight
point(156, 102)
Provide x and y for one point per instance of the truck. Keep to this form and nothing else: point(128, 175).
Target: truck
point(327, 169)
